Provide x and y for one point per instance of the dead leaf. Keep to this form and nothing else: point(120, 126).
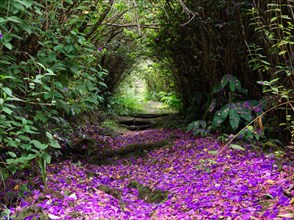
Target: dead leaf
point(16, 188)
point(169, 169)
point(270, 182)
point(287, 215)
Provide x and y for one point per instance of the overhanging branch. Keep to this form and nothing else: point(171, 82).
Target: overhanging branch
point(151, 26)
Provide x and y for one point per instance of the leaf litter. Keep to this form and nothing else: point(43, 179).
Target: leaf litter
point(190, 182)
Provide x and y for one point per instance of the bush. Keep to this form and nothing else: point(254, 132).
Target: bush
point(47, 69)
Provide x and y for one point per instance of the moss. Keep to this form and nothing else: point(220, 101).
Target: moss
point(111, 191)
point(112, 127)
point(129, 152)
point(147, 194)
point(152, 196)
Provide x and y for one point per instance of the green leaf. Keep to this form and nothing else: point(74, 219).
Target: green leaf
point(225, 111)
point(37, 81)
point(12, 154)
point(46, 157)
point(2, 20)
point(7, 91)
point(41, 116)
point(7, 45)
point(102, 84)
point(13, 19)
point(26, 147)
point(232, 85)
point(12, 161)
point(24, 121)
point(234, 118)
point(18, 6)
point(273, 19)
point(237, 147)
point(217, 120)
point(26, 28)
point(282, 52)
point(246, 116)
point(191, 126)
point(31, 156)
point(6, 77)
point(213, 152)
point(55, 144)
point(202, 123)
point(68, 48)
point(59, 66)
point(26, 3)
point(269, 196)
point(49, 136)
point(27, 129)
point(39, 145)
point(58, 47)
point(225, 80)
point(50, 73)
point(7, 110)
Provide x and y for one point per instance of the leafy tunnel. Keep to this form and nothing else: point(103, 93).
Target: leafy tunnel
point(217, 68)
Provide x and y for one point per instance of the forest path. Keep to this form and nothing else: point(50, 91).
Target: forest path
point(181, 178)
point(155, 107)
point(153, 114)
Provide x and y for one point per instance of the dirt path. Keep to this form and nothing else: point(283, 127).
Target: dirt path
point(154, 114)
point(179, 180)
point(153, 107)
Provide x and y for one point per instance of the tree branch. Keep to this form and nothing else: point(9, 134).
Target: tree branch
point(100, 20)
point(137, 17)
point(151, 26)
point(190, 13)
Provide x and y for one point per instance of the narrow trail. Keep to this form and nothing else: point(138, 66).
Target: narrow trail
point(154, 107)
point(180, 179)
point(154, 114)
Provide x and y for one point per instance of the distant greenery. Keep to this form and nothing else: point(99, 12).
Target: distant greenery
point(171, 99)
point(146, 82)
point(129, 96)
point(123, 104)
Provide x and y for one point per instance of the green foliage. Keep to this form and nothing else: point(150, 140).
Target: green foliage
point(124, 104)
point(232, 114)
point(170, 99)
point(250, 133)
point(231, 83)
point(129, 96)
point(48, 69)
point(202, 40)
point(6, 213)
point(274, 57)
point(236, 147)
point(199, 128)
point(235, 113)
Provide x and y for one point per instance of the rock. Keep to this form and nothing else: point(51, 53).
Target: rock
point(147, 194)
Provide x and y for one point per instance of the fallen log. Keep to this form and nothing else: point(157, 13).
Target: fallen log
point(140, 149)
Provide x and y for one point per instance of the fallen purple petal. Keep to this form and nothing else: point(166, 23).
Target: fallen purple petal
point(232, 186)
